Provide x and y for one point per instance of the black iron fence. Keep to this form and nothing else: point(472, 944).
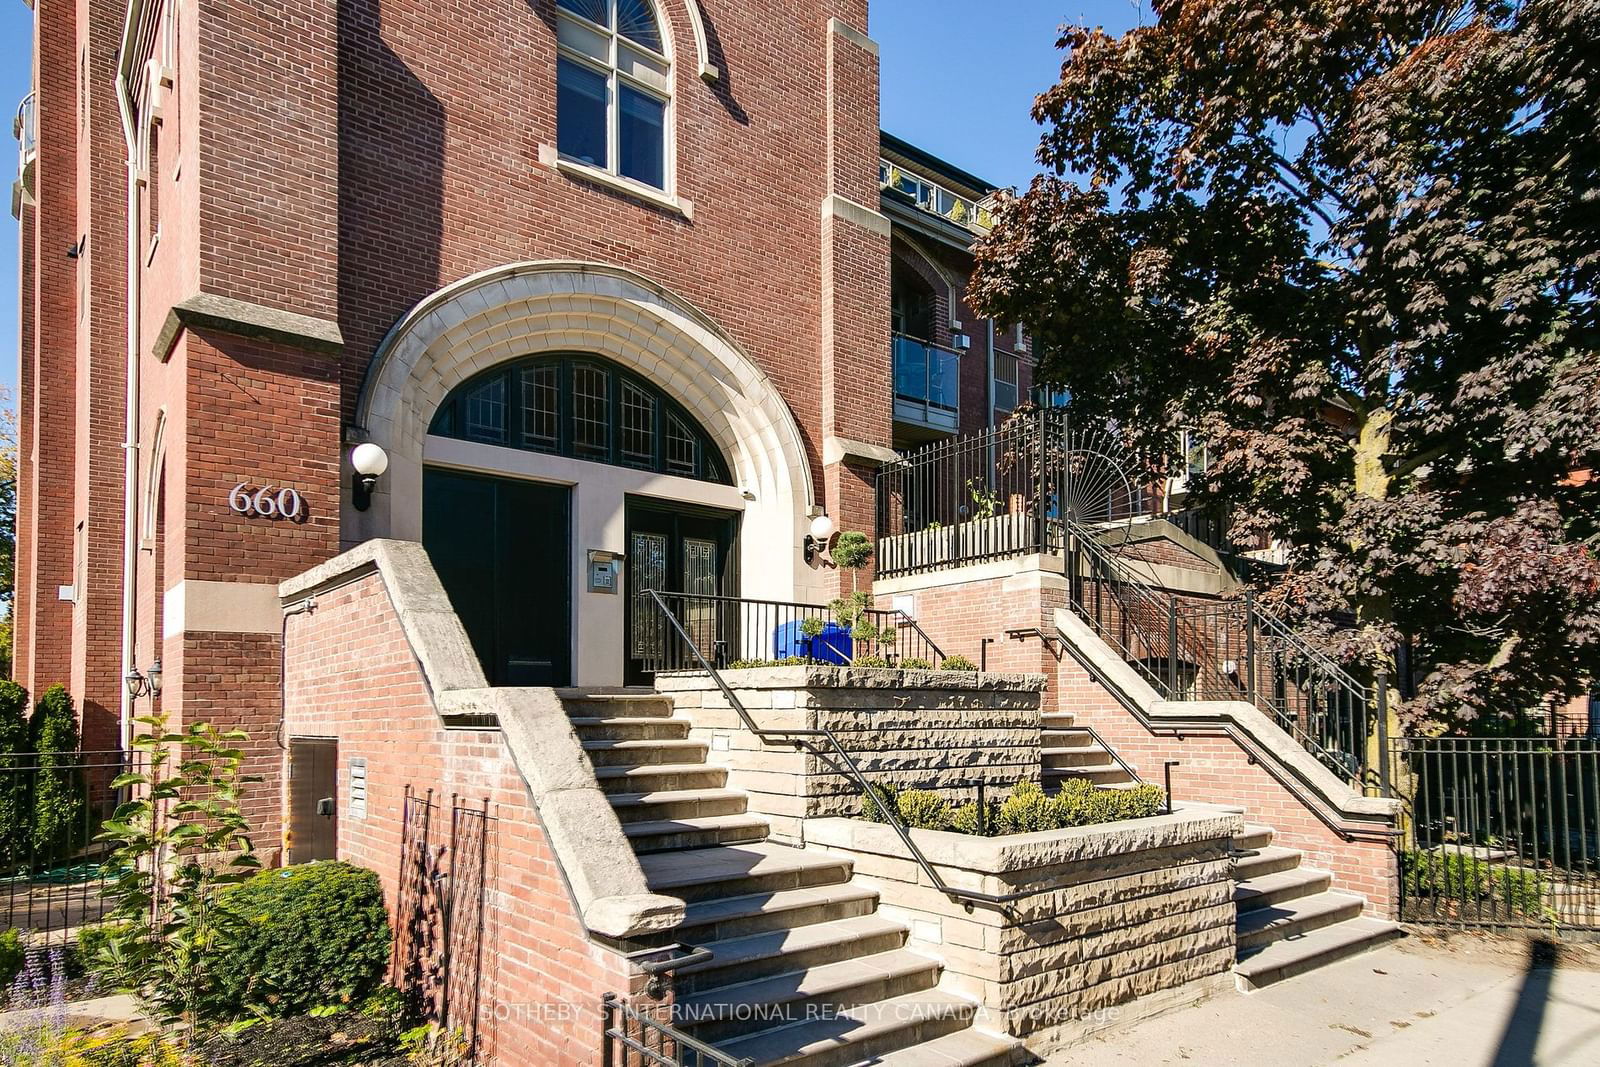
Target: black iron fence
point(735, 632)
point(1005, 492)
point(53, 872)
point(636, 1038)
point(1502, 831)
point(1227, 650)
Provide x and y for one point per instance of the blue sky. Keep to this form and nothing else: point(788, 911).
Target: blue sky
point(957, 79)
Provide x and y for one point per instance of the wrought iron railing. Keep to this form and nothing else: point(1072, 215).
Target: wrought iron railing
point(634, 1038)
point(824, 738)
point(1226, 650)
point(1503, 831)
point(999, 494)
point(736, 631)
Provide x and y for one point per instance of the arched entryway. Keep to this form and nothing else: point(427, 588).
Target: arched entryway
point(539, 397)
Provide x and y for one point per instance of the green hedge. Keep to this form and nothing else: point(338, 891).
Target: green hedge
point(1465, 879)
point(16, 781)
point(1028, 809)
point(316, 935)
point(59, 801)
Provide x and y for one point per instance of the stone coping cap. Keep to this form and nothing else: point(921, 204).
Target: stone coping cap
point(1021, 852)
point(820, 676)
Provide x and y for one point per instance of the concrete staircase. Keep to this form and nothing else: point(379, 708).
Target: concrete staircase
point(1069, 751)
point(803, 970)
point(1290, 919)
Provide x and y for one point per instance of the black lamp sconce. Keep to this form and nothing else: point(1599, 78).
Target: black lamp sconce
point(816, 542)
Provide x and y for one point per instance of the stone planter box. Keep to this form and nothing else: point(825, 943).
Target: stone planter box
point(1130, 918)
point(940, 730)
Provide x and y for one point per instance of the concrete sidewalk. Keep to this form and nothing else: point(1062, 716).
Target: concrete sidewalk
point(1462, 1002)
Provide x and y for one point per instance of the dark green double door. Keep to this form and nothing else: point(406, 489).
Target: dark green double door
point(503, 550)
point(686, 553)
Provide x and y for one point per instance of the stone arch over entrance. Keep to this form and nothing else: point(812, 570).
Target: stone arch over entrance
point(524, 309)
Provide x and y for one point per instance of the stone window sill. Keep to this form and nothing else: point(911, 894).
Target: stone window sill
point(626, 186)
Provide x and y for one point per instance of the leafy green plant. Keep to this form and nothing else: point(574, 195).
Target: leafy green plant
point(958, 663)
point(309, 935)
point(876, 799)
point(985, 501)
point(923, 809)
point(13, 954)
point(870, 660)
point(180, 842)
point(59, 798)
point(16, 777)
point(1027, 810)
point(1464, 878)
point(915, 663)
point(750, 664)
point(964, 820)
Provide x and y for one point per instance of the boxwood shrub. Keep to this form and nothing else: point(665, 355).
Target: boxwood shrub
point(1028, 809)
point(312, 935)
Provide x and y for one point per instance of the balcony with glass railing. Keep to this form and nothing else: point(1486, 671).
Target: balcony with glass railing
point(25, 128)
point(927, 385)
point(934, 198)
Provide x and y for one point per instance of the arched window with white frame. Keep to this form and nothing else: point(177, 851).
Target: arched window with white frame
point(614, 89)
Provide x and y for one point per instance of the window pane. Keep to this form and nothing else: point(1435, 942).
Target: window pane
point(680, 447)
point(486, 412)
point(638, 426)
point(642, 140)
point(580, 113)
point(1005, 381)
point(580, 38)
point(637, 22)
point(593, 10)
point(541, 407)
point(591, 411)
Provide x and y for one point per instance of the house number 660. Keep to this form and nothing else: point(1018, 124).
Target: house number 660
point(267, 502)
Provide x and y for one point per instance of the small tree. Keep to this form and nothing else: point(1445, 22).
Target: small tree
point(16, 784)
point(852, 552)
point(58, 798)
point(181, 840)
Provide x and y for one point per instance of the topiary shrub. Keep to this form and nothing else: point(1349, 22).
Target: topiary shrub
point(923, 809)
point(875, 799)
point(964, 820)
point(869, 661)
point(915, 663)
point(1027, 810)
point(16, 779)
point(958, 663)
point(59, 803)
point(311, 935)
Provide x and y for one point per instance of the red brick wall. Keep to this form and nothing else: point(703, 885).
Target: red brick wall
point(1212, 769)
point(353, 676)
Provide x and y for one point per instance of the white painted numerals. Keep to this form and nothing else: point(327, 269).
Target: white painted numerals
point(267, 502)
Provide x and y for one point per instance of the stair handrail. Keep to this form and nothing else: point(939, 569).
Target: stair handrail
point(1124, 585)
point(965, 897)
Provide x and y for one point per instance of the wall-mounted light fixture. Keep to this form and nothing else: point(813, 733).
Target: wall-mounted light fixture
point(369, 462)
point(816, 542)
point(146, 684)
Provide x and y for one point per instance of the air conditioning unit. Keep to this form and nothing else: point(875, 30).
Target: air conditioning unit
point(961, 342)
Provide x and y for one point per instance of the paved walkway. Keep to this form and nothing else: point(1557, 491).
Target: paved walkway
point(1468, 1001)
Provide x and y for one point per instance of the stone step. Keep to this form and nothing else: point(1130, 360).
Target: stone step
point(1263, 861)
point(660, 777)
point(1273, 889)
point(1285, 959)
point(718, 1015)
point(1262, 926)
point(728, 917)
point(637, 753)
point(1254, 837)
point(919, 1023)
point(1105, 774)
point(635, 704)
point(1073, 739)
point(963, 1048)
point(739, 870)
point(678, 804)
point(626, 728)
point(740, 960)
point(1057, 720)
point(670, 834)
point(1085, 756)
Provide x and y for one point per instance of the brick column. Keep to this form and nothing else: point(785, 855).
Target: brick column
point(857, 375)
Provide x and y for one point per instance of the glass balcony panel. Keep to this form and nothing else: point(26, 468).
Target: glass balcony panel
point(910, 369)
point(944, 379)
point(927, 385)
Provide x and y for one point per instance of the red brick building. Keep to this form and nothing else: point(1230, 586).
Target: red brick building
point(252, 242)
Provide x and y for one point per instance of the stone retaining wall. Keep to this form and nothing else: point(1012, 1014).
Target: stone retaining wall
point(940, 730)
point(1139, 909)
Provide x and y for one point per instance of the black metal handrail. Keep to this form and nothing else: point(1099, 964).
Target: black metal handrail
point(1232, 650)
point(739, 630)
point(670, 1047)
point(966, 897)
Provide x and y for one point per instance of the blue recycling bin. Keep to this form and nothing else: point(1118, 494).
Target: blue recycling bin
point(832, 645)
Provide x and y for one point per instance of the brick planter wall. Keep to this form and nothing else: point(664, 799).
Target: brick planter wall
point(353, 675)
point(1138, 909)
point(940, 730)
